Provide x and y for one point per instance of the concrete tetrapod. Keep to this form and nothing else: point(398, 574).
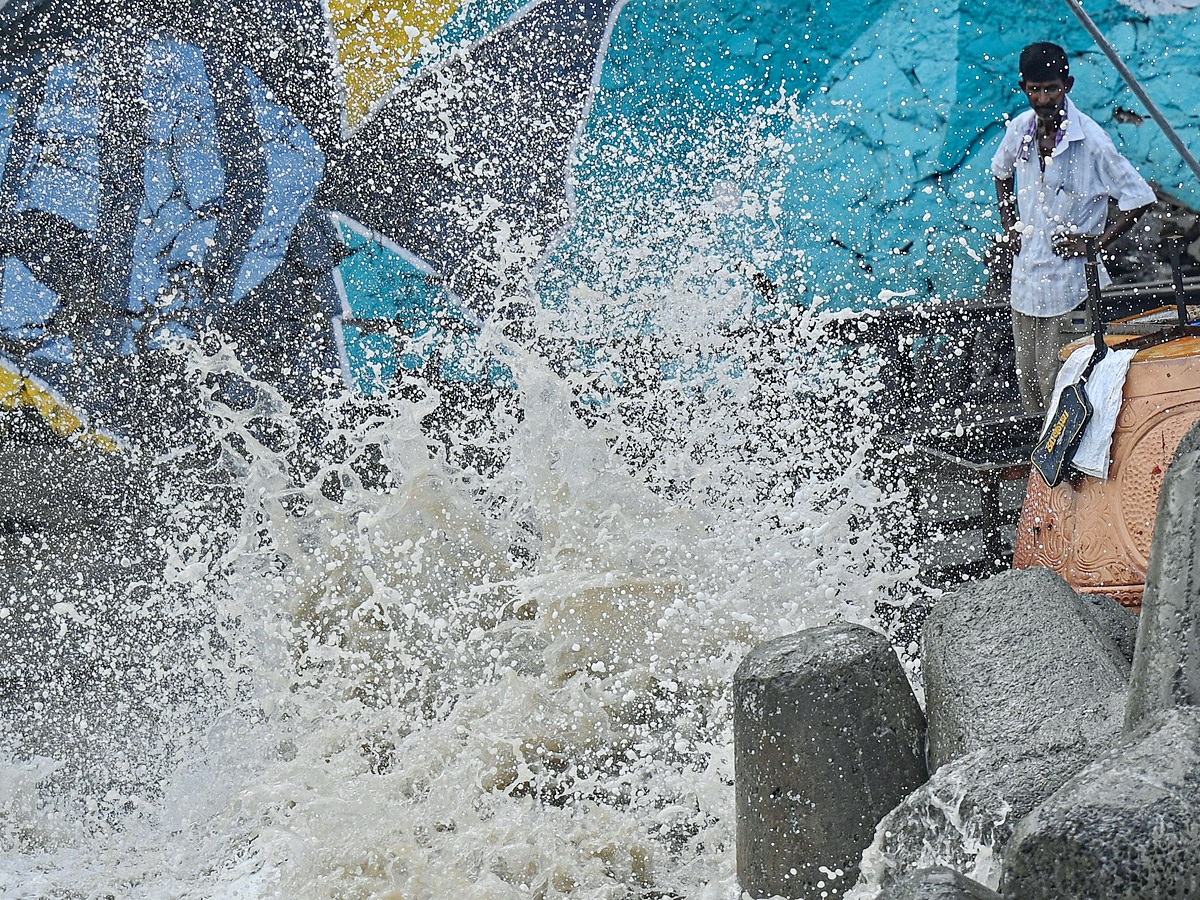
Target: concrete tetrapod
point(1004, 656)
point(827, 738)
point(1125, 828)
point(1024, 686)
point(1166, 662)
point(965, 814)
point(937, 883)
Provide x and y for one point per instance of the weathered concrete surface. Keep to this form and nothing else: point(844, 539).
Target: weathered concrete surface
point(965, 814)
point(1166, 665)
point(1117, 622)
point(1005, 655)
point(938, 883)
point(827, 738)
point(87, 623)
point(1125, 828)
point(57, 487)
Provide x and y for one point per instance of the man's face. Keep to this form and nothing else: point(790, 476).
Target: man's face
point(1048, 98)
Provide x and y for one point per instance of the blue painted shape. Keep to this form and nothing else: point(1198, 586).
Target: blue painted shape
point(372, 359)
point(56, 350)
point(679, 78)
point(390, 284)
point(8, 121)
point(889, 187)
point(62, 174)
point(183, 175)
point(295, 166)
point(26, 304)
point(960, 61)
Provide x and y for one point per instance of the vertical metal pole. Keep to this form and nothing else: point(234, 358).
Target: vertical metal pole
point(1177, 278)
point(1135, 86)
point(1091, 271)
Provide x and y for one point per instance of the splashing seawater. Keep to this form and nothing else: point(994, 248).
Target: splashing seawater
point(478, 644)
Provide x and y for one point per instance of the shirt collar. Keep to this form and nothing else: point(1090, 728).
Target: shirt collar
point(1073, 131)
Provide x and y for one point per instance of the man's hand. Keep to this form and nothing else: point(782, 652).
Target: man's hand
point(1069, 246)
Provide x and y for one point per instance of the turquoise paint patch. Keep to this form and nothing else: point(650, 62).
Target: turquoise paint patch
point(427, 328)
point(890, 191)
point(373, 361)
point(678, 80)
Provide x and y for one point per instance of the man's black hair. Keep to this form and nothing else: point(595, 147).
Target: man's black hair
point(1043, 62)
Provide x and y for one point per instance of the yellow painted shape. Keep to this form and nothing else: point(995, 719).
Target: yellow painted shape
point(377, 43)
point(17, 391)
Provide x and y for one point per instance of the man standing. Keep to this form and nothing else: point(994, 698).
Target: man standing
point(1056, 168)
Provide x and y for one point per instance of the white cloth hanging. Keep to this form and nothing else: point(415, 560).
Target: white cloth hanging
point(1104, 389)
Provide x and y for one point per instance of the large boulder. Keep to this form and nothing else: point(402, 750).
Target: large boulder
point(1006, 656)
point(938, 883)
point(1166, 664)
point(827, 738)
point(1125, 828)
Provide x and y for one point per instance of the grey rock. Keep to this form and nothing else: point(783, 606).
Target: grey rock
point(1166, 664)
point(1005, 656)
point(1125, 828)
point(827, 738)
point(938, 883)
point(1117, 622)
point(966, 813)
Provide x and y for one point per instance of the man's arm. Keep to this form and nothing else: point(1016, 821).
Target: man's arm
point(1070, 245)
point(1006, 194)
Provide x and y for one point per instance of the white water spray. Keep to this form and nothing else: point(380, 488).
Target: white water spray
point(480, 642)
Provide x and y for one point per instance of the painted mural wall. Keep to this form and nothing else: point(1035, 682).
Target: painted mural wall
point(348, 186)
point(886, 188)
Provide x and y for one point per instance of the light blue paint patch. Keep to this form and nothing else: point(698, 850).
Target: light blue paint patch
point(183, 176)
point(56, 349)
point(62, 174)
point(26, 304)
point(295, 166)
point(8, 121)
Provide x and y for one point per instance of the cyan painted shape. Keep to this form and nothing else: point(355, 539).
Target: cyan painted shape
point(385, 285)
point(372, 360)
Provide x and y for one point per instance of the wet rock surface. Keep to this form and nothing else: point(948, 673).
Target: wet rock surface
point(967, 811)
point(1166, 665)
point(1115, 621)
point(827, 738)
point(938, 883)
point(1007, 659)
point(1125, 828)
